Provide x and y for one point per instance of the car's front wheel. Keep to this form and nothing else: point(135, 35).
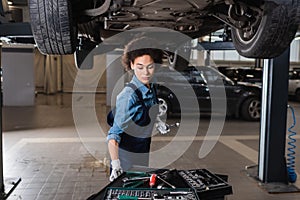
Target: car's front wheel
point(163, 107)
point(52, 26)
point(268, 32)
point(251, 109)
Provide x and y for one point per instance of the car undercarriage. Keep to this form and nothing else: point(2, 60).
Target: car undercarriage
point(258, 29)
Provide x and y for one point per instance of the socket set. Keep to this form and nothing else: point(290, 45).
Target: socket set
point(149, 194)
point(170, 184)
point(205, 183)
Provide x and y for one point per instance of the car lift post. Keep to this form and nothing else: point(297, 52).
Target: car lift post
point(271, 162)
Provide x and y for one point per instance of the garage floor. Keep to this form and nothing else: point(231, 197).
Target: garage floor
point(57, 160)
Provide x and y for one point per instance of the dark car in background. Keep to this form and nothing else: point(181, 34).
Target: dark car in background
point(294, 83)
point(243, 100)
point(243, 74)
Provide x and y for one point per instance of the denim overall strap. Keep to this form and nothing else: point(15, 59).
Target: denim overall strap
point(135, 150)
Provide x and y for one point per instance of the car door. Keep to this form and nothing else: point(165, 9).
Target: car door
point(175, 88)
point(222, 90)
point(201, 90)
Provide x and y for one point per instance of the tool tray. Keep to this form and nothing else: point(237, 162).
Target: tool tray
point(120, 193)
point(206, 184)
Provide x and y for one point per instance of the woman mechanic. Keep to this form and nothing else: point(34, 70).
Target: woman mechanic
point(129, 138)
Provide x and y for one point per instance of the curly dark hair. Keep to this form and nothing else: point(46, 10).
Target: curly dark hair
point(139, 47)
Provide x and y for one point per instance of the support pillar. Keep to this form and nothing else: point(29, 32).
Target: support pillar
point(272, 162)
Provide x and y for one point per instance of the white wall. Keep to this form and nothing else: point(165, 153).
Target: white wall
point(18, 76)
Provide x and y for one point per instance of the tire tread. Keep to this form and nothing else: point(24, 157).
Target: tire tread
point(52, 26)
point(276, 33)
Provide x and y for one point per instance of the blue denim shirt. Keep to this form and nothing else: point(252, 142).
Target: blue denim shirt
point(129, 109)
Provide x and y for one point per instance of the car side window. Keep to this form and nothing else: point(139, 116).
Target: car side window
point(212, 77)
point(185, 77)
point(172, 77)
point(196, 77)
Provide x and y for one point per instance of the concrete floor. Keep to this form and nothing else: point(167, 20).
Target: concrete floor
point(59, 159)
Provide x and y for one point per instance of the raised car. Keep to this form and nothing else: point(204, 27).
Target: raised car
point(258, 28)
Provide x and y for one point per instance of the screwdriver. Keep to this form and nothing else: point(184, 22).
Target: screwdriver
point(166, 182)
point(152, 180)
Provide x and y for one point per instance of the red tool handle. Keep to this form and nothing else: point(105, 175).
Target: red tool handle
point(152, 180)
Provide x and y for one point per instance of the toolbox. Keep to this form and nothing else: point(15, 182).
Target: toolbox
point(166, 184)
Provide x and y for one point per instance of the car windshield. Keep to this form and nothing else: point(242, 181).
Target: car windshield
point(167, 75)
point(198, 75)
point(213, 75)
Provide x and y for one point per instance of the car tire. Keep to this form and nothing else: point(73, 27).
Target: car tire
point(275, 31)
point(52, 26)
point(251, 109)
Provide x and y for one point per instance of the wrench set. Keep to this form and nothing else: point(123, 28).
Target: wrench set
point(205, 183)
point(168, 184)
point(201, 179)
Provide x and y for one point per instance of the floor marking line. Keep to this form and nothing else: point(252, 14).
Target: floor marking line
point(242, 149)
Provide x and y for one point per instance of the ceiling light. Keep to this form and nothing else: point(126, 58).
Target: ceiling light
point(9, 2)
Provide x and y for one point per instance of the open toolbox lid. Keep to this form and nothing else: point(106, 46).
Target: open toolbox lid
point(206, 184)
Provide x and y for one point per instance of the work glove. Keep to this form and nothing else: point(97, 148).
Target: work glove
point(162, 127)
point(116, 170)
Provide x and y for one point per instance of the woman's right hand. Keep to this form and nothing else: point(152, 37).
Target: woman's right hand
point(116, 170)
